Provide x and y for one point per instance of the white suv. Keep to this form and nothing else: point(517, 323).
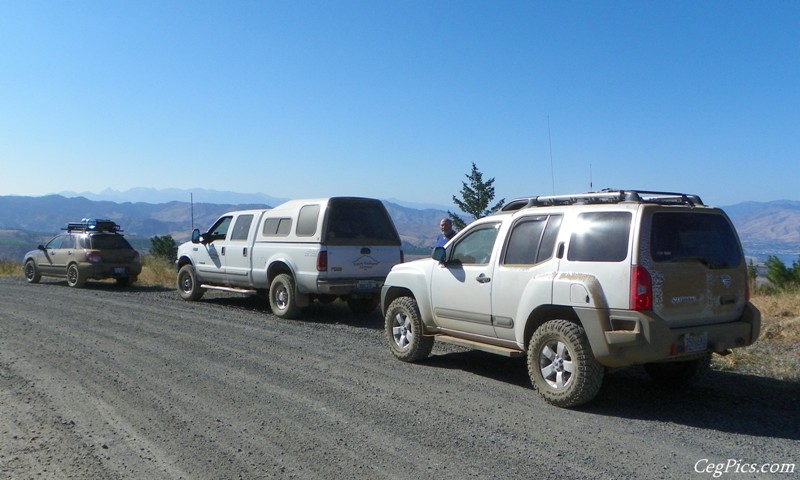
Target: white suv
point(579, 283)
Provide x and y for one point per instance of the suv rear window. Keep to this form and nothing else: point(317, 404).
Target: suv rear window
point(693, 237)
point(600, 237)
point(109, 242)
point(359, 222)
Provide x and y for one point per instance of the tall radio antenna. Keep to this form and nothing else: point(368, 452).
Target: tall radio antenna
point(550, 142)
point(191, 202)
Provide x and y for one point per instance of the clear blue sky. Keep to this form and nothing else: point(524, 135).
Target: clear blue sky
point(396, 99)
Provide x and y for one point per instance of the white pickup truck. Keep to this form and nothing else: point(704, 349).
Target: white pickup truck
point(300, 251)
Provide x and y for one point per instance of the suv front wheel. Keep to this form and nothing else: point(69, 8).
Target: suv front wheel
point(561, 364)
point(403, 330)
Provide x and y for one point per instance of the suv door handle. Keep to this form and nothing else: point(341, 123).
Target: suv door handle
point(482, 278)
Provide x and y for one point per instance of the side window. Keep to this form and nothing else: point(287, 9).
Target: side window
point(600, 237)
point(277, 227)
point(242, 227)
point(69, 242)
point(307, 221)
point(82, 241)
point(55, 243)
point(524, 241)
point(548, 246)
point(476, 247)
point(220, 229)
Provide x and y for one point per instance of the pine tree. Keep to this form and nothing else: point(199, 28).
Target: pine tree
point(475, 198)
point(164, 247)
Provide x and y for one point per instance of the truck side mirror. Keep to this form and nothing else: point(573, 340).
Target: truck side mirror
point(439, 254)
point(196, 236)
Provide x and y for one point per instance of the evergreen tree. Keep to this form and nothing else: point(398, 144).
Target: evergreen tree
point(164, 247)
point(475, 198)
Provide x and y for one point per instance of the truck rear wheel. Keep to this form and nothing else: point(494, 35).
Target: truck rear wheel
point(188, 288)
point(283, 297)
point(561, 364)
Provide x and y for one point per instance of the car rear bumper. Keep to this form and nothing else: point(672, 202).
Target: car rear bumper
point(109, 270)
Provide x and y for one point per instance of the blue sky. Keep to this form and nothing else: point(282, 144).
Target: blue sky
point(396, 99)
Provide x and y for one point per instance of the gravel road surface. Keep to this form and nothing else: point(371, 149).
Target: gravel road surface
point(135, 383)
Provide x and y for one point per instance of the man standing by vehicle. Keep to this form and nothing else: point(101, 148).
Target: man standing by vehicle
point(446, 226)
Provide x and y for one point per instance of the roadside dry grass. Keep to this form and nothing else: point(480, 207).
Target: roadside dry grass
point(776, 354)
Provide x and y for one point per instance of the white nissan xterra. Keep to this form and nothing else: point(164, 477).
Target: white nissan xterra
point(300, 251)
point(578, 284)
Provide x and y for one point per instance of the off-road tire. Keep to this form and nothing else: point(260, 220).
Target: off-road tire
point(188, 287)
point(74, 277)
point(403, 331)
point(283, 297)
point(679, 375)
point(32, 274)
point(362, 306)
point(561, 364)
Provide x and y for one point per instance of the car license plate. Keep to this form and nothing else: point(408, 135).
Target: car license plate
point(120, 271)
point(695, 343)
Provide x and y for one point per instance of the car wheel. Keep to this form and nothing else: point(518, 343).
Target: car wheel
point(282, 297)
point(362, 306)
point(32, 274)
point(188, 288)
point(403, 330)
point(561, 364)
point(679, 374)
point(74, 277)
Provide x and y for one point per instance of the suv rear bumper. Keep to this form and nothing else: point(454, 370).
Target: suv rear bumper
point(621, 338)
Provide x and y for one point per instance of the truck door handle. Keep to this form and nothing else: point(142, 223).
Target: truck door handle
point(222, 251)
point(483, 278)
point(244, 252)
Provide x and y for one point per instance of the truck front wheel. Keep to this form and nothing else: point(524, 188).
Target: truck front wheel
point(561, 364)
point(283, 297)
point(188, 288)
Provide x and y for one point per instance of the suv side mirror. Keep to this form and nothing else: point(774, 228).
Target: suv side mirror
point(196, 235)
point(439, 254)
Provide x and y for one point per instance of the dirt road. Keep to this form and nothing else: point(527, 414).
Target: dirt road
point(103, 382)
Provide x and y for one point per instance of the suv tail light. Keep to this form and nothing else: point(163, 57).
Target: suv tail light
point(94, 257)
point(322, 261)
point(641, 289)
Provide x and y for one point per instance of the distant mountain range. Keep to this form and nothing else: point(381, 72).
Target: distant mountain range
point(765, 228)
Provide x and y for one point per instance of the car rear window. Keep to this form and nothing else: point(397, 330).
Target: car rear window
point(359, 222)
point(694, 237)
point(109, 242)
point(600, 237)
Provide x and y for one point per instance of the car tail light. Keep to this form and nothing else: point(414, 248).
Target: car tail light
point(94, 257)
point(641, 289)
point(322, 261)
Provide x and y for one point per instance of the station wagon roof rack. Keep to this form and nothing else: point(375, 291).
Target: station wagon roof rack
point(607, 196)
point(93, 225)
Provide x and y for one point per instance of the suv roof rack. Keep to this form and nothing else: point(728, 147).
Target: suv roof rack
point(605, 196)
point(92, 225)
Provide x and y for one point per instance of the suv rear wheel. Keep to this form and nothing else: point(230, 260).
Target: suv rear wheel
point(561, 364)
point(403, 330)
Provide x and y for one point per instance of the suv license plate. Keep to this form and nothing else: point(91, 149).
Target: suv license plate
point(695, 343)
point(120, 271)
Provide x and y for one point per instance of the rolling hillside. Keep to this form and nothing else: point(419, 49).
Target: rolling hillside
point(766, 228)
